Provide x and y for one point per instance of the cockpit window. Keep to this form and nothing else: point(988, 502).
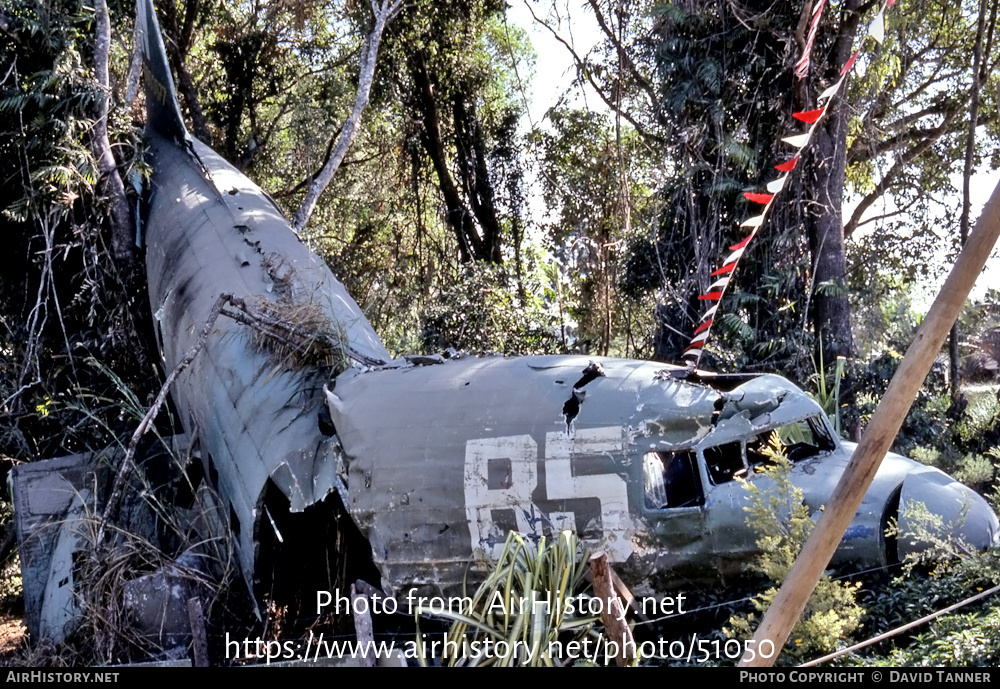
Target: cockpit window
point(671, 480)
point(725, 462)
point(799, 440)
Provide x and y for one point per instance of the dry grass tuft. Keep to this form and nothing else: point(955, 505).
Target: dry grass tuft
point(294, 335)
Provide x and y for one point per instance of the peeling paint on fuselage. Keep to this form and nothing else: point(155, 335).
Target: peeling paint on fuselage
point(531, 473)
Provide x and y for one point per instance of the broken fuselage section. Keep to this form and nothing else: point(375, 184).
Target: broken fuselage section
point(641, 461)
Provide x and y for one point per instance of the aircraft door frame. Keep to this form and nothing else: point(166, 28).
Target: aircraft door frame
point(672, 500)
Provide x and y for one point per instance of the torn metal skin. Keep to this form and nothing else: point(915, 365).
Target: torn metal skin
point(435, 460)
point(645, 468)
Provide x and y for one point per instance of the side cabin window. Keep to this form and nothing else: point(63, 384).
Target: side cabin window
point(671, 480)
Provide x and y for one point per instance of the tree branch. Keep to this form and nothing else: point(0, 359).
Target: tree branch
point(585, 71)
point(627, 62)
point(111, 507)
point(383, 14)
point(899, 211)
point(887, 179)
point(863, 150)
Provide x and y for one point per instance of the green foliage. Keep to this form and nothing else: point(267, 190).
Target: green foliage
point(976, 428)
point(923, 43)
point(46, 100)
point(478, 313)
point(782, 522)
point(956, 438)
point(829, 398)
point(942, 577)
point(970, 640)
point(595, 184)
point(724, 99)
point(777, 514)
point(975, 471)
point(524, 602)
point(61, 297)
point(926, 424)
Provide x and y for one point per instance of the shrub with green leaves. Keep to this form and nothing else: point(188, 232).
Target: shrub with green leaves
point(781, 520)
point(942, 577)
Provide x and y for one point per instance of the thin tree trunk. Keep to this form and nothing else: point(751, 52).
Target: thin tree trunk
point(122, 228)
point(476, 178)
point(970, 153)
point(383, 13)
point(470, 244)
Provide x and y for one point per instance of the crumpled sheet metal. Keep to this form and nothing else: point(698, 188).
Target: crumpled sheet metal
point(474, 447)
point(410, 486)
point(211, 231)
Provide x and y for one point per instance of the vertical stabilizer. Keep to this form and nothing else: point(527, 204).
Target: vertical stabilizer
point(163, 115)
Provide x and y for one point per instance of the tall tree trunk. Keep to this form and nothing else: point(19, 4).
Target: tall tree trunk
point(122, 227)
point(459, 217)
point(476, 177)
point(384, 11)
point(978, 78)
point(831, 308)
point(831, 315)
point(476, 224)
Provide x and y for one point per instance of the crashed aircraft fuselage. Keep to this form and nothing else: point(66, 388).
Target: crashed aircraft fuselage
point(435, 463)
point(641, 461)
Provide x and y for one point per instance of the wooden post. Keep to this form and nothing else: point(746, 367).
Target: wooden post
point(199, 643)
point(612, 612)
point(805, 573)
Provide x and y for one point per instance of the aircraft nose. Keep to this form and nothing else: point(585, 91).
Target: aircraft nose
point(954, 513)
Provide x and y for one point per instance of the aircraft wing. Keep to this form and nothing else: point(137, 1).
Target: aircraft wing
point(209, 231)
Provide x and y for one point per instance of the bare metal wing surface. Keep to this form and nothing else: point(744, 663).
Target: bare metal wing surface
point(210, 231)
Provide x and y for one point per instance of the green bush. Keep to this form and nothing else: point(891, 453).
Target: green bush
point(479, 314)
point(782, 522)
point(970, 638)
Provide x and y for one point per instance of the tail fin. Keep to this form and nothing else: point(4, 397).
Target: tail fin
point(163, 115)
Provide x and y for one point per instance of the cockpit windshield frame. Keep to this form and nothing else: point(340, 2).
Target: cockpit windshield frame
point(797, 440)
